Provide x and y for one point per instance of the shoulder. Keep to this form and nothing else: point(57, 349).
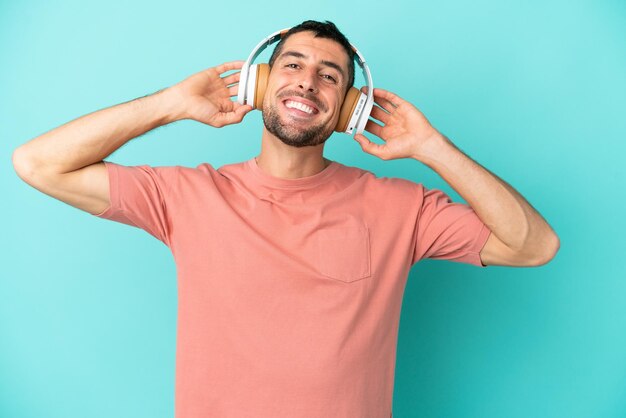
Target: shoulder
point(390, 183)
point(387, 191)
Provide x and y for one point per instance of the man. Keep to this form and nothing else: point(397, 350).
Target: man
point(290, 267)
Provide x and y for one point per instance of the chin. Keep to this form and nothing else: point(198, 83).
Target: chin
point(286, 131)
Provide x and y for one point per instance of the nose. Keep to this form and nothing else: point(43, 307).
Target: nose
point(308, 82)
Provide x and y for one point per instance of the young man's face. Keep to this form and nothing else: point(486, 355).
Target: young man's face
point(306, 88)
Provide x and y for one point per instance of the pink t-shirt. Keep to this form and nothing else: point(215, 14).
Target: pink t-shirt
point(289, 289)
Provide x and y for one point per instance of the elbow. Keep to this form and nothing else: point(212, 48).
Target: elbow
point(550, 249)
point(21, 165)
point(26, 167)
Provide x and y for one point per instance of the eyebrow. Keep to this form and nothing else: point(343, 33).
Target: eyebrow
point(324, 62)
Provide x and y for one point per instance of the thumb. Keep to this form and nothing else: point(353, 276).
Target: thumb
point(367, 145)
point(363, 141)
point(234, 116)
point(241, 111)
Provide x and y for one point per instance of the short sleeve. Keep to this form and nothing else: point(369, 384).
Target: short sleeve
point(138, 197)
point(448, 231)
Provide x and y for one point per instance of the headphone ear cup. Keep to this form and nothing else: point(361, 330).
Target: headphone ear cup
point(262, 78)
point(347, 109)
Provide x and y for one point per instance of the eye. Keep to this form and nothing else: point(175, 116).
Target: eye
point(292, 65)
point(329, 77)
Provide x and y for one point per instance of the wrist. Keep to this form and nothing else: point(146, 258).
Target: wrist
point(171, 105)
point(435, 145)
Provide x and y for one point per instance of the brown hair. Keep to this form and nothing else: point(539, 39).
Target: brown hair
point(326, 30)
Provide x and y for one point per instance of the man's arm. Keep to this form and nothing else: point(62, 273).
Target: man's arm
point(66, 163)
point(520, 236)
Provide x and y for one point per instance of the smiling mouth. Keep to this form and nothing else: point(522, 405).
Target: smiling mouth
point(298, 108)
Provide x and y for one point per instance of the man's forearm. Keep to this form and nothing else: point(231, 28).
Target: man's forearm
point(93, 137)
point(507, 214)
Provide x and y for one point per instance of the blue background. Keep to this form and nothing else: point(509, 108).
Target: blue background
point(535, 91)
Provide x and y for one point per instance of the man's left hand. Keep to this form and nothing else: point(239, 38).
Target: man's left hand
point(405, 131)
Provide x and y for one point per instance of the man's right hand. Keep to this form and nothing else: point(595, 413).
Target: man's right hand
point(206, 96)
point(66, 162)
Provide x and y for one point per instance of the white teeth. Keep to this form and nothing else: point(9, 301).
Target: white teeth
point(299, 106)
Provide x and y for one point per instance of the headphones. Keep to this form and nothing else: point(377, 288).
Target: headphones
point(356, 106)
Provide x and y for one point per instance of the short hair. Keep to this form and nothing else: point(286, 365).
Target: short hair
point(326, 30)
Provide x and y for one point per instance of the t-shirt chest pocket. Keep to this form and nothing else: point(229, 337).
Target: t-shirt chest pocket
point(343, 253)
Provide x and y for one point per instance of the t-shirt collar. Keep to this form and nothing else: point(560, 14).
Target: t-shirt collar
point(281, 183)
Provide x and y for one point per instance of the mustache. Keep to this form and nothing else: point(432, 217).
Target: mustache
point(311, 98)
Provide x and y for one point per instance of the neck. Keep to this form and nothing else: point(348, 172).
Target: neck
point(284, 161)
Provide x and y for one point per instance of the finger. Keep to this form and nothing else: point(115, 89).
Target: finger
point(233, 90)
point(385, 104)
point(380, 114)
point(382, 102)
point(390, 97)
point(227, 66)
point(232, 79)
point(374, 128)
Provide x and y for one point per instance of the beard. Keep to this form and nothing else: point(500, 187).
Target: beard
point(292, 135)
